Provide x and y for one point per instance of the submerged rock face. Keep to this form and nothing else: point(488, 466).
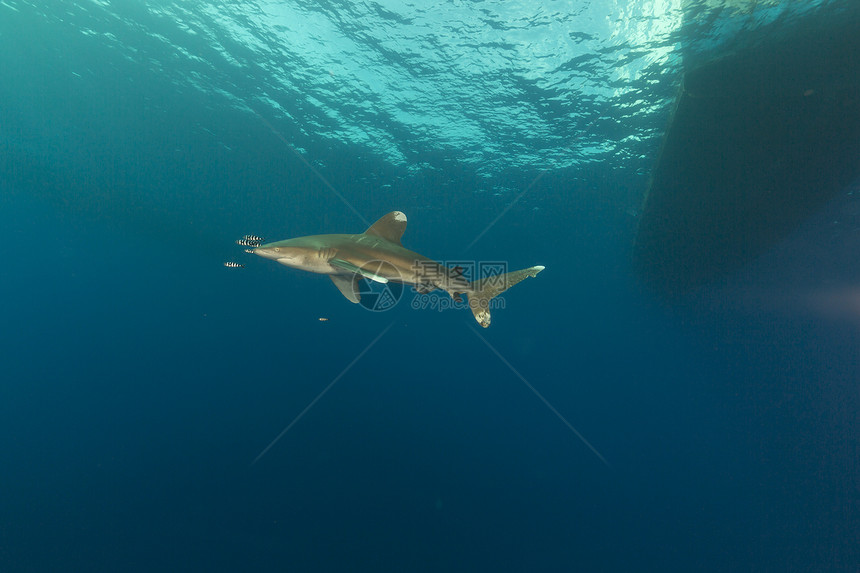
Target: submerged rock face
point(759, 140)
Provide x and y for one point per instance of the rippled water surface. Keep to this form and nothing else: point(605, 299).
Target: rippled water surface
point(493, 85)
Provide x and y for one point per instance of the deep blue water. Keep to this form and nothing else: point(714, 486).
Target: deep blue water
point(141, 378)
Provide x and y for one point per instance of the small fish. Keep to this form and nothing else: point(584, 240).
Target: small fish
point(232, 265)
point(323, 319)
point(249, 251)
point(248, 243)
point(253, 238)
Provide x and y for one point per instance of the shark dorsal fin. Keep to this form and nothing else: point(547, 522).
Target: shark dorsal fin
point(390, 227)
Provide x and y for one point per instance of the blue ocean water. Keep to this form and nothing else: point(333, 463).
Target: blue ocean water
point(141, 378)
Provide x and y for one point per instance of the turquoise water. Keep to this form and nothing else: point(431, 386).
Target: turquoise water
point(590, 428)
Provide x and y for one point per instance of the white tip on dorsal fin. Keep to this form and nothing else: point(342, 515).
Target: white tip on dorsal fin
point(390, 227)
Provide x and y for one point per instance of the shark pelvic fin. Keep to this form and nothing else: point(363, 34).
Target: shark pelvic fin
point(483, 290)
point(348, 286)
point(390, 227)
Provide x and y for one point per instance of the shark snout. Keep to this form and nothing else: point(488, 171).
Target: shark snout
point(264, 252)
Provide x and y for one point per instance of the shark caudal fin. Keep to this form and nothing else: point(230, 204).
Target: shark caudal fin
point(483, 290)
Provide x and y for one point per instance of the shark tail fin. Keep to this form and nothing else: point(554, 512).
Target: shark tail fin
point(485, 289)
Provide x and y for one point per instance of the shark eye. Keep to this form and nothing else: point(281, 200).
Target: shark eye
point(277, 249)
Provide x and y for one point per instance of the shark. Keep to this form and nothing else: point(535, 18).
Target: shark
point(378, 255)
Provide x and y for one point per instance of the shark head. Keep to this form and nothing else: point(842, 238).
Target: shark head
point(300, 253)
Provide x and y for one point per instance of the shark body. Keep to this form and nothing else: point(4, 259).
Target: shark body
point(378, 255)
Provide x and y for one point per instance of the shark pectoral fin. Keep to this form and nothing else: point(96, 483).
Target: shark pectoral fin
point(349, 267)
point(345, 265)
point(348, 286)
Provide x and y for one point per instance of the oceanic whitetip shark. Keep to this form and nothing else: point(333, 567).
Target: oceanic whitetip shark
point(378, 255)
